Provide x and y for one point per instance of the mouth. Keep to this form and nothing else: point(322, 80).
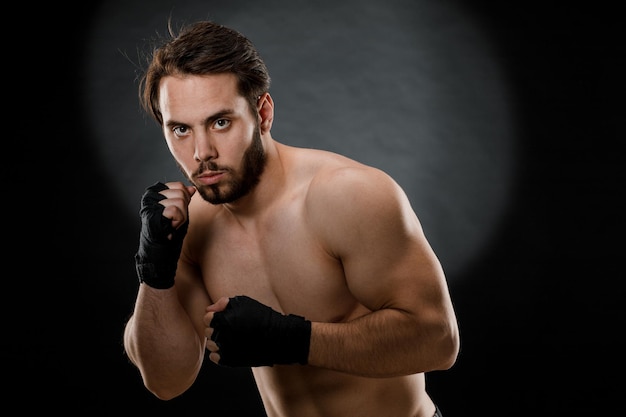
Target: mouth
point(210, 178)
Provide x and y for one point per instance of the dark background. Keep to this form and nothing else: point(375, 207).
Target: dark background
point(541, 311)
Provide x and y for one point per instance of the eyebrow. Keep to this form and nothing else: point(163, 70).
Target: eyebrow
point(208, 121)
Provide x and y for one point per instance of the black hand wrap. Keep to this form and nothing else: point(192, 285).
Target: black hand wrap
point(249, 333)
point(157, 257)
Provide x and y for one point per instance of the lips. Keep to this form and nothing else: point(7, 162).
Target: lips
point(210, 178)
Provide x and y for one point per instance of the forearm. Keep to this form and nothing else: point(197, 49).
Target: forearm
point(162, 342)
point(384, 343)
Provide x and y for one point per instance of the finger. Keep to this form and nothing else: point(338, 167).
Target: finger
point(220, 305)
point(208, 317)
point(211, 346)
point(180, 197)
point(178, 190)
point(188, 190)
point(214, 357)
point(176, 213)
point(177, 185)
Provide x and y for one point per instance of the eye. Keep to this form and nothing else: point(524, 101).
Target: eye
point(180, 131)
point(221, 124)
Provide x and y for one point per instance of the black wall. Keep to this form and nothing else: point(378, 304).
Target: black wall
point(541, 310)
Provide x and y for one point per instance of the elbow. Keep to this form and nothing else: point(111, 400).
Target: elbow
point(169, 385)
point(161, 386)
point(164, 395)
point(448, 348)
point(448, 359)
point(165, 391)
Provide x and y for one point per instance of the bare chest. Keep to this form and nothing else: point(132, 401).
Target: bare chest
point(281, 263)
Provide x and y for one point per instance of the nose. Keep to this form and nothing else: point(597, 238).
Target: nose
point(204, 148)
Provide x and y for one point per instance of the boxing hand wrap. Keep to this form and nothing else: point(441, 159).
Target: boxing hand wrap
point(157, 257)
point(249, 333)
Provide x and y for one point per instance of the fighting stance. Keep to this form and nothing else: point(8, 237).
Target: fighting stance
point(308, 267)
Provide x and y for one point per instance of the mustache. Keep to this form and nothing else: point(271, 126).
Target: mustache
point(208, 166)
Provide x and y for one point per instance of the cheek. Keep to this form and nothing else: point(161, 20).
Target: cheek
point(175, 149)
point(234, 146)
point(182, 153)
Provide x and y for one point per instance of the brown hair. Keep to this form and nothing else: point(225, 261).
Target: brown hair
point(204, 48)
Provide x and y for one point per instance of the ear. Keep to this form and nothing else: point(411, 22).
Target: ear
point(265, 111)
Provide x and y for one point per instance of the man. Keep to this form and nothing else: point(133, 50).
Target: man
point(306, 266)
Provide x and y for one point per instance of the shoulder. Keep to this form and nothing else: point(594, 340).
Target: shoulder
point(352, 180)
point(352, 201)
point(352, 187)
point(331, 175)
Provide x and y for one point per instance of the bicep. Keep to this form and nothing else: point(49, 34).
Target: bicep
point(192, 293)
point(393, 271)
point(387, 260)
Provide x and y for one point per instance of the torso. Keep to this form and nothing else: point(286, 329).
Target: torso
point(280, 261)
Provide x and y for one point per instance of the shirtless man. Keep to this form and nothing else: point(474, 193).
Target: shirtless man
point(308, 267)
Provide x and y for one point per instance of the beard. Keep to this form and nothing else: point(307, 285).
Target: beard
point(241, 182)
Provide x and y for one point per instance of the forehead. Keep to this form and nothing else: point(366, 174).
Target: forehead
point(191, 94)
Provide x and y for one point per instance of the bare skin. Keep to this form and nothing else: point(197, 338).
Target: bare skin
point(320, 236)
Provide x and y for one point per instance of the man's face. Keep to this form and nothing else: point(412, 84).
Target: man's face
point(212, 135)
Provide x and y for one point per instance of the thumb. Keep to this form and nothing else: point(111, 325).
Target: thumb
point(220, 305)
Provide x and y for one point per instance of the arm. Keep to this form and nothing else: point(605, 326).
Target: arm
point(162, 342)
point(364, 219)
point(160, 338)
point(368, 223)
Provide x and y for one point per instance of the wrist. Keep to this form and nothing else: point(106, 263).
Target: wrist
point(249, 333)
point(293, 340)
point(156, 276)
